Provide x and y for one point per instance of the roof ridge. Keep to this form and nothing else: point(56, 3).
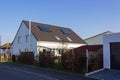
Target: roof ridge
point(99, 34)
point(47, 24)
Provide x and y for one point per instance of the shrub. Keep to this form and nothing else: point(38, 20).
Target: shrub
point(46, 59)
point(26, 58)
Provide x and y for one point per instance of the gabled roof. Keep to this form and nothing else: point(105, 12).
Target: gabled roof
point(107, 32)
point(53, 31)
point(90, 47)
point(6, 46)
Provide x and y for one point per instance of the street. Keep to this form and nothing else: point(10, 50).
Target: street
point(10, 71)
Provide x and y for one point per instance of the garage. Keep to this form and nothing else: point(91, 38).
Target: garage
point(111, 51)
point(115, 55)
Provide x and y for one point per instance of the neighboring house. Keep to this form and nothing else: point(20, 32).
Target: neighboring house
point(44, 36)
point(97, 39)
point(6, 48)
point(5, 52)
point(112, 51)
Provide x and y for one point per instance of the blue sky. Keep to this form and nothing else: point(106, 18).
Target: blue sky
point(85, 17)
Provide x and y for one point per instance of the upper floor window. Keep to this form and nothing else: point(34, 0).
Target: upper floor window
point(65, 31)
point(27, 38)
point(19, 39)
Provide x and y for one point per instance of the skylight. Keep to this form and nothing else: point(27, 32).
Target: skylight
point(65, 31)
point(56, 37)
point(69, 39)
point(44, 28)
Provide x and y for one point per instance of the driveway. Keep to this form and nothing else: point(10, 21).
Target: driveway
point(107, 74)
point(18, 72)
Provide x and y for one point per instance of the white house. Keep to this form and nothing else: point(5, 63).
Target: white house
point(33, 36)
point(97, 39)
point(111, 51)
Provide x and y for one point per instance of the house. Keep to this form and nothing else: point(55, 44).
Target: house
point(97, 39)
point(5, 52)
point(36, 37)
point(111, 52)
point(6, 48)
point(93, 54)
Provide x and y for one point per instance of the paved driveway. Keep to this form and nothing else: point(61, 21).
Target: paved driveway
point(108, 74)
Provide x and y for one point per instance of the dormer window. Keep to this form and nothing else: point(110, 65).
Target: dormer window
point(44, 28)
point(65, 31)
point(58, 38)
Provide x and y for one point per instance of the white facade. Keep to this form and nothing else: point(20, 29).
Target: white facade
point(106, 47)
point(20, 42)
point(56, 45)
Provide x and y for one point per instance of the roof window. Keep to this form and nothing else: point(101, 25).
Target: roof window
point(58, 38)
point(69, 39)
point(65, 31)
point(44, 28)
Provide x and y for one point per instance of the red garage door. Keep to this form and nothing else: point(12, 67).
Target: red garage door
point(115, 55)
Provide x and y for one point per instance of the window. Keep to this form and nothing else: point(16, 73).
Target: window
point(69, 39)
point(65, 31)
point(26, 50)
point(27, 38)
point(56, 37)
point(19, 39)
point(19, 50)
point(44, 28)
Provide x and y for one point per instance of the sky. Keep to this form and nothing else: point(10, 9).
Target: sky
point(85, 17)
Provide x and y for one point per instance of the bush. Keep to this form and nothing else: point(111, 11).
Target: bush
point(67, 60)
point(46, 59)
point(26, 58)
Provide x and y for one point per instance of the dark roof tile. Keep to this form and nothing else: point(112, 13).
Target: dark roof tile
point(54, 31)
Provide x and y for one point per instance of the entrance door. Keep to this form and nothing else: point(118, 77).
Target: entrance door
point(115, 55)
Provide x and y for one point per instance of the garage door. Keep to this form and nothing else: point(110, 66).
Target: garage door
point(115, 55)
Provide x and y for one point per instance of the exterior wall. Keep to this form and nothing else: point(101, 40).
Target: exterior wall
point(106, 47)
point(98, 40)
point(23, 45)
point(56, 45)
